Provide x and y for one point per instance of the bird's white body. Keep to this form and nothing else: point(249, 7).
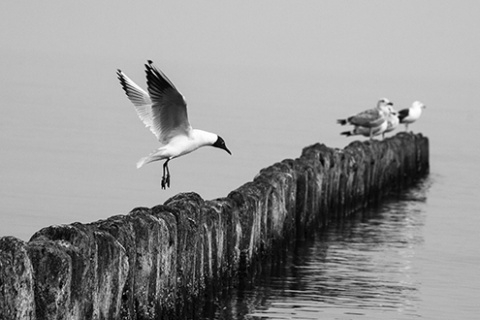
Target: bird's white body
point(180, 145)
point(411, 114)
point(164, 111)
point(392, 120)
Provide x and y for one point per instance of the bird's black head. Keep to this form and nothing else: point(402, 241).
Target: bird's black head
point(220, 143)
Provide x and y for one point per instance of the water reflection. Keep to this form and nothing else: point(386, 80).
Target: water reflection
point(359, 268)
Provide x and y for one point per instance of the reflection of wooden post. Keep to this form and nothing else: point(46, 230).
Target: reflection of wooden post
point(151, 263)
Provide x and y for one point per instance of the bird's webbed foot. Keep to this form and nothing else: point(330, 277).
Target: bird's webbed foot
point(166, 182)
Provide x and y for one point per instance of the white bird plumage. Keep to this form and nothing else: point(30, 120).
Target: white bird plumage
point(392, 120)
point(412, 114)
point(164, 111)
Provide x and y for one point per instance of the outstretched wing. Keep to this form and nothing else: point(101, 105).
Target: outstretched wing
point(140, 99)
point(169, 109)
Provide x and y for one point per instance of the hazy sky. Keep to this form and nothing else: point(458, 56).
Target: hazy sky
point(271, 77)
point(348, 50)
point(430, 37)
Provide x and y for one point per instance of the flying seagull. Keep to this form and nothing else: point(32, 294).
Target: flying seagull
point(164, 111)
point(371, 118)
point(411, 114)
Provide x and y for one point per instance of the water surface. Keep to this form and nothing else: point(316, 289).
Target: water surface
point(362, 268)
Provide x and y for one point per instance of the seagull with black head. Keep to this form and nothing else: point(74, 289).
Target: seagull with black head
point(164, 111)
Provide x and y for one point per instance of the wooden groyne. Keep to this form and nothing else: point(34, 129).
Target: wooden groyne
point(152, 262)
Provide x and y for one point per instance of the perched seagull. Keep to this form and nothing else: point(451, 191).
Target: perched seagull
point(392, 120)
point(411, 114)
point(164, 111)
point(366, 132)
point(370, 118)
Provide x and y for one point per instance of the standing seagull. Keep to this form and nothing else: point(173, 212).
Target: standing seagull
point(371, 118)
point(164, 111)
point(390, 123)
point(366, 132)
point(411, 114)
point(392, 120)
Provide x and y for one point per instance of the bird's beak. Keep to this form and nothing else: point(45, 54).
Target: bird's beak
point(226, 149)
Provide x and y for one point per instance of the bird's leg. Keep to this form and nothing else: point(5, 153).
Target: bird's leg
point(163, 176)
point(166, 175)
point(167, 180)
point(371, 130)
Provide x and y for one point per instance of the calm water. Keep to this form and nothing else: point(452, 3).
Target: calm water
point(363, 268)
point(384, 263)
point(69, 138)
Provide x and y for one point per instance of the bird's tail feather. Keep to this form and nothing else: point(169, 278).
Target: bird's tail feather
point(342, 121)
point(142, 162)
point(155, 155)
point(347, 133)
